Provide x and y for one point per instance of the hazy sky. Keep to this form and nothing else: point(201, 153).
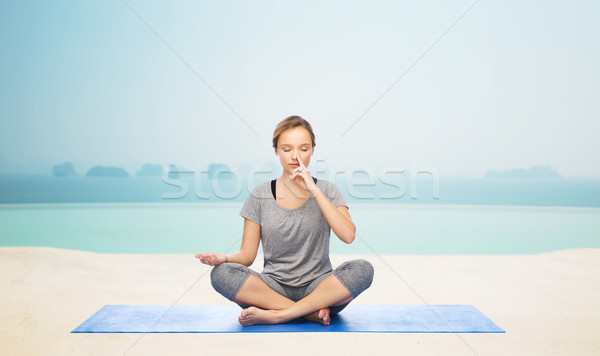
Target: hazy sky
point(511, 85)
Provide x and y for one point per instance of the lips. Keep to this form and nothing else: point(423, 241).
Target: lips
point(294, 165)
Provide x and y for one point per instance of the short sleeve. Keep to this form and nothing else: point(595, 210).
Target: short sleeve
point(251, 208)
point(335, 196)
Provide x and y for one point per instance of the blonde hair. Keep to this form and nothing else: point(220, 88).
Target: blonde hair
point(290, 123)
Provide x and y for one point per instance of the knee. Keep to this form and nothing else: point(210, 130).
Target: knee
point(219, 275)
point(356, 275)
point(227, 278)
point(366, 270)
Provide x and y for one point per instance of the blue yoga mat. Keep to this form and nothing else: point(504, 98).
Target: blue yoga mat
point(223, 319)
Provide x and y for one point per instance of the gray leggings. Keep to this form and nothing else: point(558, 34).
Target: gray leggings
point(355, 275)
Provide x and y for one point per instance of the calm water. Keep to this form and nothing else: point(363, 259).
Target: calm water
point(151, 215)
point(521, 192)
point(382, 228)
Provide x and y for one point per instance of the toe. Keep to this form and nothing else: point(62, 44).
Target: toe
point(246, 312)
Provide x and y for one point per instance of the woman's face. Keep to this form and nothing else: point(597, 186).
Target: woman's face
point(294, 143)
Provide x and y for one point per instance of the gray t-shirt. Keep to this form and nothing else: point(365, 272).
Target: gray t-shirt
point(295, 241)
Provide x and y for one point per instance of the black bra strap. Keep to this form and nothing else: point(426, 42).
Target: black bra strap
point(273, 186)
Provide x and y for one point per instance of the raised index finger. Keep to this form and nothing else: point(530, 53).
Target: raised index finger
point(300, 161)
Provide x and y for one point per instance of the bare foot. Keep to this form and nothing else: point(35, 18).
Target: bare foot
point(255, 316)
point(321, 316)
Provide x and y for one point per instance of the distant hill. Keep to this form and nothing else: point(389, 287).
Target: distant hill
point(64, 170)
point(533, 172)
point(214, 170)
point(175, 172)
point(150, 170)
point(100, 171)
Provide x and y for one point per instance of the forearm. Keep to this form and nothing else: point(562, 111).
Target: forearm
point(342, 227)
point(240, 257)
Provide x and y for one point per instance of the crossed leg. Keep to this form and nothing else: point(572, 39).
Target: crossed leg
point(265, 306)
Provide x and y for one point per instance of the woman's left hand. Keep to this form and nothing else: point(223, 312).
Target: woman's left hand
point(303, 178)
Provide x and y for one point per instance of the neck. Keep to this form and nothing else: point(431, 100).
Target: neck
point(291, 185)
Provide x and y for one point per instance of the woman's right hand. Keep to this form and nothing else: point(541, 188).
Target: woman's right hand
point(212, 258)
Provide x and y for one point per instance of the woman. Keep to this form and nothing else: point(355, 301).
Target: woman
point(293, 216)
